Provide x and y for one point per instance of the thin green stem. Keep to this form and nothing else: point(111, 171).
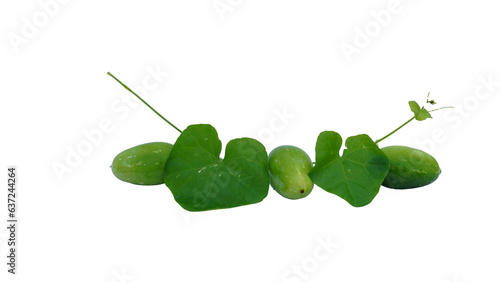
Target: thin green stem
point(407, 123)
point(392, 132)
point(126, 87)
point(449, 107)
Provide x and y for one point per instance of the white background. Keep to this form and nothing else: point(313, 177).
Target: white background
point(242, 70)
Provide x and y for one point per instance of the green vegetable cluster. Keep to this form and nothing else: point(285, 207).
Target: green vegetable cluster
point(200, 180)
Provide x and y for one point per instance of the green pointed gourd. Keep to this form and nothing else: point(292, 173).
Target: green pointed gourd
point(142, 164)
point(409, 168)
point(288, 168)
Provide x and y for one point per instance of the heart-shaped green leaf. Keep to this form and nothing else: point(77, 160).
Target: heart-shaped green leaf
point(420, 112)
point(357, 175)
point(200, 180)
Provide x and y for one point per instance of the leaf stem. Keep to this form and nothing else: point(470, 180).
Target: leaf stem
point(130, 90)
point(392, 132)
